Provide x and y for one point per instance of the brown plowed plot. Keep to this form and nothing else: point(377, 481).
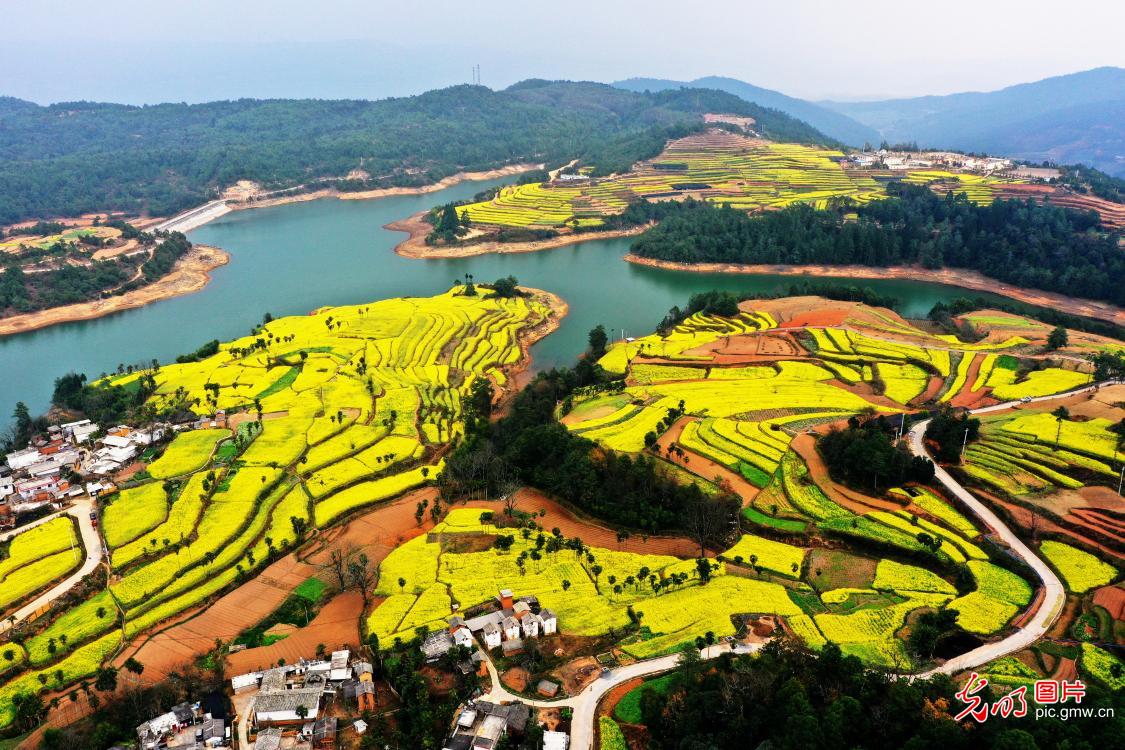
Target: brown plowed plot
point(933, 388)
point(1022, 516)
point(1103, 403)
point(779, 345)
point(246, 606)
point(966, 398)
point(1066, 669)
point(839, 570)
point(335, 626)
point(531, 500)
point(864, 391)
point(1098, 522)
point(805, 446)
point(1112, 599)
point(817, 319)
point(704, 467)
point(376, 532)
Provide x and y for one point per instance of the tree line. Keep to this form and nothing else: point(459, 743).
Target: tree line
point(79, 157)
point(529, 446)
point(788, 699)
point(25, 292)
point(1021, 243)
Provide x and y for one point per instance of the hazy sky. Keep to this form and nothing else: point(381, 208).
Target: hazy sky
point(192, 50)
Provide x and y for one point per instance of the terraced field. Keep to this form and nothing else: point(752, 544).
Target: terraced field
point(665, 592)
point(719, 167)
point(745, 405)
point(37, 558)
point(359, 402)
point(741, 410)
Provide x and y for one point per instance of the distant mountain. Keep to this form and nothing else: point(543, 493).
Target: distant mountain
point(1072, 118)
point(831, 123)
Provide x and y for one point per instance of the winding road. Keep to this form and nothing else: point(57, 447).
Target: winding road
point(80, 510)
point(585, 704)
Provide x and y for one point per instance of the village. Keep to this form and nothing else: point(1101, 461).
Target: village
point(76, 460)
point(331, 700)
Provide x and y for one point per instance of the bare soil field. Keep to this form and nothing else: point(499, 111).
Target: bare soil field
point(1112, 599)
point(336, 626)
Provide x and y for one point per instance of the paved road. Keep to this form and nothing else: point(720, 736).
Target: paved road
point(1054, 593)
point(195, 217)
point(94, 553)
point(585, 704)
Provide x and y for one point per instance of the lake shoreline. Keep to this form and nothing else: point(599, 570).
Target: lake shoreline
point(965, 279)
point(414, 246)
point(190, 274)
point(377, 193)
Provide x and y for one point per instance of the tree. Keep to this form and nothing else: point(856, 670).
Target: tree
point(23, 426)
point(1060, 414)
point(1057, 338)
point(134, 666)
point(402, 585)
point(362, 576)
point(597, 342)
point(106, 679)
point(302, 711)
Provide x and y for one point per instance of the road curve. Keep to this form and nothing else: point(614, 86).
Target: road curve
point(93, 544)
point(585, 704)
point(1054, 592)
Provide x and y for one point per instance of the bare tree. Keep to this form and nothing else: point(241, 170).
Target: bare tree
point(362, 576)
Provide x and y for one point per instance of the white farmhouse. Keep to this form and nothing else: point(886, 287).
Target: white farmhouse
point(511, 628)
point(531, 623)
point(492, 636)
point(550, 623)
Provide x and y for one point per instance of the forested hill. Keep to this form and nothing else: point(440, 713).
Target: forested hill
point(1021, 243)
point(72, 158)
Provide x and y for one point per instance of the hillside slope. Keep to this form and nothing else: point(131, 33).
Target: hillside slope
point(72, 158)
point(831, 123)
point(1071, 118)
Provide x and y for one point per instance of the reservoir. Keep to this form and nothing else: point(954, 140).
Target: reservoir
point(290, 259)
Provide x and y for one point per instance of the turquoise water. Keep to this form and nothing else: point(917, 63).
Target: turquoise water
point(291, 259)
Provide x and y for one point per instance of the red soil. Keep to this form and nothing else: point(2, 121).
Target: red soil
point(1023, 517)
point(613, 697)
point(1036, 601)
point(704, 467)
point(933, 388)
point(532, 501)
point(1066, 669)
point(193, 634)
point(336, 626)
point(1112, 599)
point(805, 446)
point(1098, 522)
point(818, 318)
point(967, 398)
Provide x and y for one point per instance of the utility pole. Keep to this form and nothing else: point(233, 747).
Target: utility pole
point(1120, 480)
point(964, 442)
